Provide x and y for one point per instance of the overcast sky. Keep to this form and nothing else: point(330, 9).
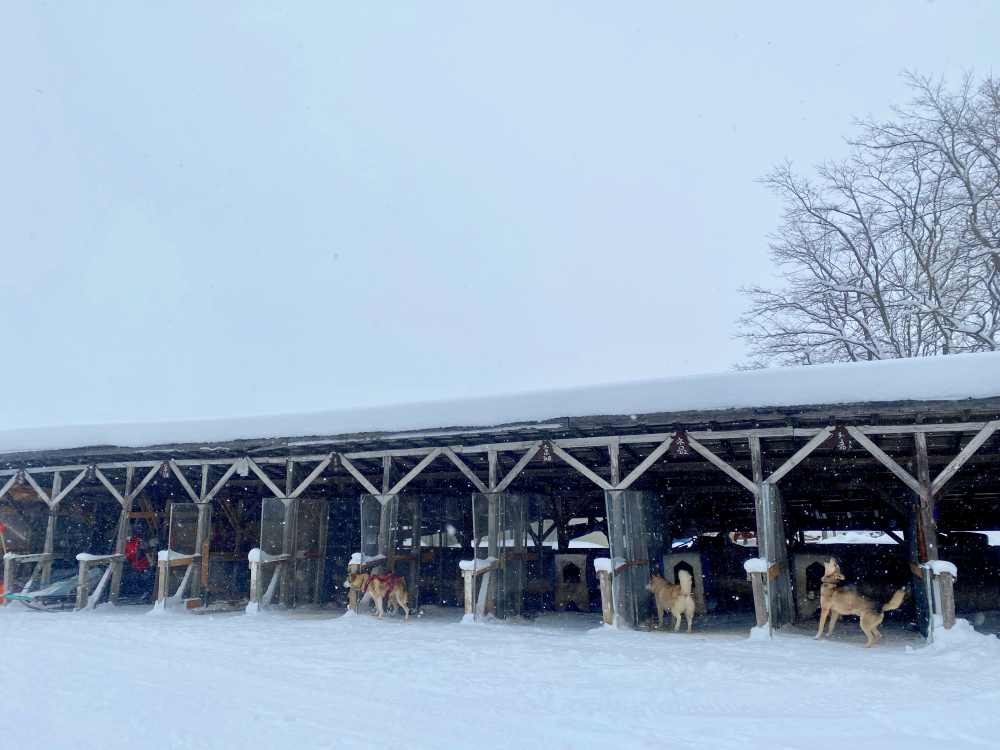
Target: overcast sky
point(214, 209)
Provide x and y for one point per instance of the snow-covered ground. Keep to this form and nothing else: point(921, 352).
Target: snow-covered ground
point(123, 679)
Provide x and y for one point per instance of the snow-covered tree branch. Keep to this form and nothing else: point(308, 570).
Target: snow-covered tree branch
point(894, 252)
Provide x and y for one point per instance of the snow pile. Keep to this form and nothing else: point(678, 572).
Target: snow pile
point(963, 636)
point(760, 633)
point(756, 565)
point(959, 376)
point(943, 566)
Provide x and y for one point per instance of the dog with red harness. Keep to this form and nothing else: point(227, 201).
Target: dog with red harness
point(380, 587)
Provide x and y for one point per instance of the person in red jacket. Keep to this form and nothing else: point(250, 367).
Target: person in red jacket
point(135, 554)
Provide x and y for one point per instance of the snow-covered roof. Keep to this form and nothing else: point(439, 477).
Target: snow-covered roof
point(957, 377)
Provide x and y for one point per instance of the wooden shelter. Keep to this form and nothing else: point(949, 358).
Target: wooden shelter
point(910, 448)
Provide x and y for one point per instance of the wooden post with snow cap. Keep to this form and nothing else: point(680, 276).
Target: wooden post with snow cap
point(757, 571)
point(602, 565)
point(477, 605)
point(944, 574)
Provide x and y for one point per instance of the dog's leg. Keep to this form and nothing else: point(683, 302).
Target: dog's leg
point(834, 616)
point(379, 606)
point(823, 614)
point(659, 613)
point(401, 599)
point(677, 619)
point(690, 615)
point(866, 628)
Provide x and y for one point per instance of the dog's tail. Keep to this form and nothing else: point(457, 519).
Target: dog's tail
point(895, 601)
point(684, 578)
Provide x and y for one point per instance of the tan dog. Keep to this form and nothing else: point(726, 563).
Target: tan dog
point(379, 587)
point(836, 600)
point(675, 598)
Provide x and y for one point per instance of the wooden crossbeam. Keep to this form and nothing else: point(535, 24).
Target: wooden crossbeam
point(647, 462)
point(184, 481)
point(593, 476)
point(264, 478)
point(886, 460)
point(58, 497)
point(227, 510)
point(523, 445)
point(111, 488)
point(8, 484)
point(414, 472)
point(356, 473)
point(220, 484)
point(37, 487)
point(142, 485)
point(718, 463)
point(518, 468)
point(464, 468)
point(966, 453)
point(313, 475)
point(818, 439)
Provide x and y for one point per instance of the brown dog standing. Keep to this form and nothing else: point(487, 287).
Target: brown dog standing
point(675, 598)
point(381, 586)
point(836, 600)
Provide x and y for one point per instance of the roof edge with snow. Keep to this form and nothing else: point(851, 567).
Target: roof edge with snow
point(933, 379)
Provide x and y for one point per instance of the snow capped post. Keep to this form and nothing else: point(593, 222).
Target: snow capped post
point(757, 572)
point(602, 565)
point(943, 575)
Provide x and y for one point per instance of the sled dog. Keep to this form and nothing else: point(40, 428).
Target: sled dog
point(836, 600)
point(381, 586)
point(675, 598)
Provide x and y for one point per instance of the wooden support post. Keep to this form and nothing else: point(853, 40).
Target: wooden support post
point(772, 543)
point(322, 540)
point(614, 456)
point(415, 548)
point(759, 586)
point(203, 537)
point(773, 547)
point(82, 587)
point(162, 582)
point(607, 604)
point(256, 586)
point(493, 526)
point(469, 586)
point(289, 547)
point(922, 531)
point(85, 599)
point(946, 590)
point(491, 458)
point(50, 538)
point(9, 564)
point(121, 538)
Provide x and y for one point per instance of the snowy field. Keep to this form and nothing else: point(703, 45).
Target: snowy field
point(124, 679)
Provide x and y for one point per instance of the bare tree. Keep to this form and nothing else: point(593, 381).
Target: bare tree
point(894, 252)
